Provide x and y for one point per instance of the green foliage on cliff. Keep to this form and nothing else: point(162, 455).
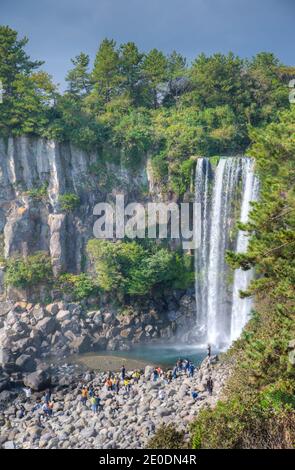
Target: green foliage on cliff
point(28, 272)
point(80, 286)
point(39, 193)
point(68, 202)
point(259, 407)
point(134, 270)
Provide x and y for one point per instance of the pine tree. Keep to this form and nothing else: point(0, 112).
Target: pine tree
point(78, 77)
point(105, 75)
point(154, 68)
point(130, 61)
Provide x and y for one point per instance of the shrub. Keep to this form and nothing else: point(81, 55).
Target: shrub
point(134, 269)
point(30, 271)
point(81, 285)
point(39, 193)
point(69, 202)
point(167, 437)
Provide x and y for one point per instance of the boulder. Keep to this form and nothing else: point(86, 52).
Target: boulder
point(87, 433)
point(52, 308)
point(26, 363)
point(99, 342)
point(9, 445)
point(148, 329)
point(6, 357)
point(81, 344)
point(5, 307)
point(127, 333)
point(107, 317)
point(5, 397)
point(63, 315)
point(97, 319)
point(39, 380)
point(46, 326)
point(38, 312)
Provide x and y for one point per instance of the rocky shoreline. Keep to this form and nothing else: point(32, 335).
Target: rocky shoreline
point(30, 333)
point(124, 420)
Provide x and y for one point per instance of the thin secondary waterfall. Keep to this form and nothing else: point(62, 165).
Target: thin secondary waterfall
point(242, 307)
point(224, 194)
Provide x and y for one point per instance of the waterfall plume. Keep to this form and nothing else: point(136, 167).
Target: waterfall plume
point(224, 192)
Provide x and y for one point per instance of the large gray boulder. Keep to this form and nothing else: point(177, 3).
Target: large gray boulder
point(46, 326)
point(26, 363)
point(81, 344)
point(37, 381)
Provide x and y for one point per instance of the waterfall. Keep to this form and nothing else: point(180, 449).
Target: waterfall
point(221, 193)
point(241, 307)
point(203, 175)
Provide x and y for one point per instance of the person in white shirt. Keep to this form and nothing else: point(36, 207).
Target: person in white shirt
point(28, 393)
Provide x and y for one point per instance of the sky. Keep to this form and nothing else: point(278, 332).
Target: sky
point(60, 29)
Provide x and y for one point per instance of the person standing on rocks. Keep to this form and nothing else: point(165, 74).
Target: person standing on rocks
point(209, 350)
point(123, 373)
point(155, 375)
point(136, 376)
point(127, 384)
point(174, 372)
point(109, 384)
point(117, 385)
point(191, 369)
point(84, 395)
point(47, 396)
point(168, 377)
point(28, 393)
point(210, 385)
point(50, 408)
point(94, 404)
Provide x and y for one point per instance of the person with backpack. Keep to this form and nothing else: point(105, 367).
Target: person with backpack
point(155, 375)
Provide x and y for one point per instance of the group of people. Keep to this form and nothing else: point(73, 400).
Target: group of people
point(45, 404)
point(113, 383)
point(92, 394)
point(116, 382)
point(183, 366)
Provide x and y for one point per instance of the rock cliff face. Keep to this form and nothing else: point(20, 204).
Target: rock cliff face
point(31, 221)
point(29, 224)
